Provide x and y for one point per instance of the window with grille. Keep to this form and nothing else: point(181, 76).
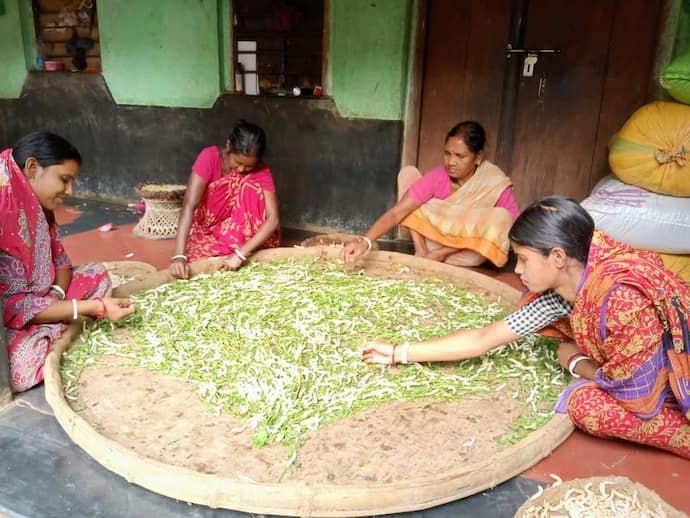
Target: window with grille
point(278, 46)
point(67, 35)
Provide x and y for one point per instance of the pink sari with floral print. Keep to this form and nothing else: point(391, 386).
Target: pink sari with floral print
point(30, 253)
point(232, 211)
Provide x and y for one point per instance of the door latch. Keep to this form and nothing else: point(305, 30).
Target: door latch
point(531, 57)
point(510, 51)
point(528, 64)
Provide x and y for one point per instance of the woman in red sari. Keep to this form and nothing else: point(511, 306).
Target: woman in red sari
point(230, 208)
point(622, 318)
point(39, 289)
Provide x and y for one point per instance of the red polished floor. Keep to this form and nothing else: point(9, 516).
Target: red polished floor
point(580, 455)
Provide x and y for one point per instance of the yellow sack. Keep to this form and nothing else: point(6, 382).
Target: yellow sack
point(678, 264)
point(652, 149)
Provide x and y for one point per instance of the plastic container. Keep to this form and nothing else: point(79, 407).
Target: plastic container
point(54, 66)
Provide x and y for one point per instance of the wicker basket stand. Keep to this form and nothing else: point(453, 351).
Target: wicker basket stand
point(163, 204)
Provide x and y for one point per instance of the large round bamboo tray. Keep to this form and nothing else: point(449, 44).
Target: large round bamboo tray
point(553, 501)
point(334, 240)
point(302, 499)
point(122, 272)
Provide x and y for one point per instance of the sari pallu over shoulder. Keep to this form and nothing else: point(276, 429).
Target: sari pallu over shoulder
point(664, 341)
point(468, 218)
point(29, 247)
point(30, 252)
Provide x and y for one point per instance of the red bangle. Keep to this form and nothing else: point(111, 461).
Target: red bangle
point(572, 357)
point(104, 310)
point(393, 356)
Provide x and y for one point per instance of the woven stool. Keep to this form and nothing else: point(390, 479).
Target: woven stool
point(162, 211)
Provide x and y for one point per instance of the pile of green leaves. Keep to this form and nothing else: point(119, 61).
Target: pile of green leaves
point(277, 345)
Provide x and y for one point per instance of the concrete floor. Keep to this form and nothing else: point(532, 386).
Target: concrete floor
point(42, 474)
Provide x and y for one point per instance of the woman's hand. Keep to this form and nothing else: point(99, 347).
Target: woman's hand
point(231, 262)
point(179, 268)
point(116, 308)
point(584, 369)
point(565, 351)
point(353, 249)
point(378, 352)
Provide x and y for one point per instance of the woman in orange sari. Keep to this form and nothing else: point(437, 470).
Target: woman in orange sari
point(40, 290)
point(622, 318)
point(230, 208)
point(458, 213)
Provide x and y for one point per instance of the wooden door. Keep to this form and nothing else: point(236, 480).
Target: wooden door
point(560, 107)
point(552, 128)
point(463, 71)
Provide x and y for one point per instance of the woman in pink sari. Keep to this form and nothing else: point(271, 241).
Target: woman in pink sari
point(39, 289)
point(230, 208)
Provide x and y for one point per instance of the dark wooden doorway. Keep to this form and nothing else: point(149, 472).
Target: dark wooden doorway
point(549, 131)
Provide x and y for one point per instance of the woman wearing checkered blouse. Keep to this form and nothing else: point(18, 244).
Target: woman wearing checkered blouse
point(622, 319)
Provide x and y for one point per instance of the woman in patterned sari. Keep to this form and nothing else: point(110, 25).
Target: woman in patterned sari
point(230, 208)
point(622, 318)
point(458, 213)
point(39, 289)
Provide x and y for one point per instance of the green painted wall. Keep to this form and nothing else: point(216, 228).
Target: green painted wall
point(369, 56)
point(178, 52)
point(225, 49)
point(160, 52)
point(26, 18)
point(11, 51)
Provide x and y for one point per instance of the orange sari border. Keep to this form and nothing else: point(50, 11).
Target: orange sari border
point(494, 252)
point(468, 218)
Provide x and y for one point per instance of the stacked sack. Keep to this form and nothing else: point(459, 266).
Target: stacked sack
point(647, 203)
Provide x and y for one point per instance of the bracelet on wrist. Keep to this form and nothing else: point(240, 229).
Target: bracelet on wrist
point(573, 356)
point(179, 256)
point(75, 310)
point(393, 355)
point(406, 349)
point(239, 254)
point(104, 310)
point(573, 364)
point(58, 291)
point(368, 241)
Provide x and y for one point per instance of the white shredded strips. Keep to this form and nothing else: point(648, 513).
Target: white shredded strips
point(607, 501)
point(276, 345)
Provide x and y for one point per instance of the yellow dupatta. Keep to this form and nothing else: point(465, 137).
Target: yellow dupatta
point(468, 218)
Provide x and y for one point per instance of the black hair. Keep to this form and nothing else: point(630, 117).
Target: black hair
point(47, 148)
point(472, 134)
point(247, 139)
point(555, 221)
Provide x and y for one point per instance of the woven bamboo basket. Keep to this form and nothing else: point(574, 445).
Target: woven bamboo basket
point(162, 212)
point(294, 498)
point(601, 497)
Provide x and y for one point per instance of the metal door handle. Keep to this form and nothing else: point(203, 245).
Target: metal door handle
point(510, 51)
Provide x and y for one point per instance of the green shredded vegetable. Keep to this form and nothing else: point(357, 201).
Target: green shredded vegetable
point(277, 345)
